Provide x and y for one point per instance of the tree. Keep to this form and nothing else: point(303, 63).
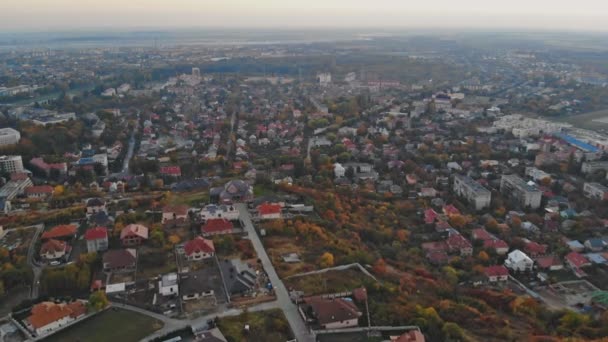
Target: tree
point(98, 300)
point(452, 332)
point(59, 190)
point(326, 260)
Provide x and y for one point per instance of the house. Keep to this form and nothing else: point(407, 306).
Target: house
point(575, 246)
point(217, 227)
point(120, 260)
point(595, 244)
point(133, 234)
point(212, 211)
point(171, 171)
point(233, 191)
point(54, 249)
point(499, 246)
point(175, 214)
point(549, 262)
point(576, 262)
point(332, 313)
point(496, 273)
point(213, 335)
point(97, 239)
point(518, 261)
point(95, 205)
point(46, 317)
point(240, 278)
point(63, 232)
point(42, 191)
point(196, 284)
point(167, 285)
point(534, 249)
point(199, 248)
point(458, 243)
point(595, 191)
point(269, 211)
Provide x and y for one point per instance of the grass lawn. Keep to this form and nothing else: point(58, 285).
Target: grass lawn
point(190, 198)
point(110, 325)
point(267, 326)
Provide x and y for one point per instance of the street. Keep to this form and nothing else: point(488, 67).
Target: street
point(296, 323)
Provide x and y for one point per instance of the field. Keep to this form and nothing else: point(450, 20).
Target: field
point(110, 325)
point(267, 326)
point(328, 282)
point(593, 120)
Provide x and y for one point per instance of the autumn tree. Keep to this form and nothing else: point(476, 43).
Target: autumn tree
point(326, 260)
point(98, 300)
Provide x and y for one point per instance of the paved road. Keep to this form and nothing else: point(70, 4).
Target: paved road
point(289, 308)
point(36, 269)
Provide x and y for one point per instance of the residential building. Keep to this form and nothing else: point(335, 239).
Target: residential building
point(11, 164)
point(54, 249)
point(536, 174)
point(333, 313)
point(213, 211)
point(41, 191)
point(269, 211)
point(120, 260)
point(48, 168)
point(196, 284)
point(199, 248)
point(134, 235)
point(46, 317)
point(576, 262)
point(231, 192)
point(496, 273)
point(527, 195)
point(217, 227)
point(175, 214)
point(595, 191)
point(410, 336)
point(167, 285)
point(61, 232)
point(15, 187)
point(96, 205)
point(591, 167)
point(518, 261)
point(240, 278)
point(478, 196)
point(97, 239)
point(9, 136)
point(339, 170)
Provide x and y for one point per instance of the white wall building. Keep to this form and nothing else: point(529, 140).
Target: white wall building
point(11, 164)
point(518, 261)
point(167, 286)
point(595, 191)
point(9, 136)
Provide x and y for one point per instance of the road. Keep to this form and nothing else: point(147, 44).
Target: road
point(290, 310)
point(36, 269)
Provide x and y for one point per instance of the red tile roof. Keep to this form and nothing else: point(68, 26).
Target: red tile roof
point(41, 189)
point(134, 230)
point(577, 260)
point(269, 209)
point(495, 244)
point(61, 231)
point(46, 313)
point(198, 245)
point(177, 209)
point(96, 233)
point(217, 225)
point(496, 271)
point(482, 234)
point(548, 261)
point(410, 336)
point(53, 246)
point(171, 170)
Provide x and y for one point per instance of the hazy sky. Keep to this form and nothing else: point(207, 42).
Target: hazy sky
point(85, 14)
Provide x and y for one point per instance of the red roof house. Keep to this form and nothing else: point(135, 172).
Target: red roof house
point(173, 171)
point(216, 227)
point(269, 211)
point(60, 232)
point(133, 234)
point(496, 273)
point(199, 248)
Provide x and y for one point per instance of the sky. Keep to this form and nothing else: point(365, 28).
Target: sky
point(43, 15)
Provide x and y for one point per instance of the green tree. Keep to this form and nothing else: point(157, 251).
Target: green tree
point(98, 300)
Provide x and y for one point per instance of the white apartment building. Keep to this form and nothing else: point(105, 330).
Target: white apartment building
point(536, 174)
point(9, 136)
point(518, 261)
point(472, 191)
point(516, 188)
point(522, 126)
point(593, 166)
point(11, 164)
point(324, 79)
point(595, 191)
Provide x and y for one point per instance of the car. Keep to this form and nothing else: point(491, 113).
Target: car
point(54, 263)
